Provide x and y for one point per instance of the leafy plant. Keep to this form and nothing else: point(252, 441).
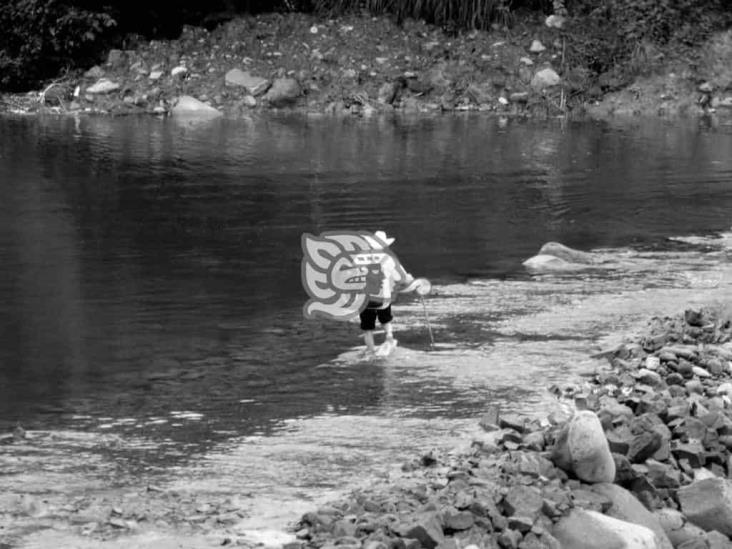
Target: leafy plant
point(41, 36)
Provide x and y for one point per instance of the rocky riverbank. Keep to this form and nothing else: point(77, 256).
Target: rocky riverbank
point(360, 65)
point(641, 459)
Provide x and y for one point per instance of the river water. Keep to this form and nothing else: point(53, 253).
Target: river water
point(150, 283)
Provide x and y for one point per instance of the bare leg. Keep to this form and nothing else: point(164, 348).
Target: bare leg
point(368, 337)
point(389, 331)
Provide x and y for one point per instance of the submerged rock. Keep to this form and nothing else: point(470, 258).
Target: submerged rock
point(554, 256)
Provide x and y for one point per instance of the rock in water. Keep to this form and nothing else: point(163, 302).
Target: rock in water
point(190, 107)
point(583, 449)
point(546, 262)
point(592, 530)
point(554, 256)
point(565, 252)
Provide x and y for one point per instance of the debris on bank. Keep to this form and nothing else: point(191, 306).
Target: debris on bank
point(643, 461)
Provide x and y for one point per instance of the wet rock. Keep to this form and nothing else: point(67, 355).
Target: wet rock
point(284, 92)
point(708, 504)
point(591, 530)
point(190, 107)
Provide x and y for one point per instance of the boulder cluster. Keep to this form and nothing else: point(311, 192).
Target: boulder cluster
point(639, 457)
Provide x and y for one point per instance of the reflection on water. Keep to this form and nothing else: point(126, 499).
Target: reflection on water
point(150, 273)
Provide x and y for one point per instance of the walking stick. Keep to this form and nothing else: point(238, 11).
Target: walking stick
point(429, 326)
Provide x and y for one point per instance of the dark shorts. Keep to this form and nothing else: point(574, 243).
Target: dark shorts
point(371, 313)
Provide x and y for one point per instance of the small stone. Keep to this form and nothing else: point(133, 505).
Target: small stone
point(536, 47)
point(555, 21)
point(179, 71)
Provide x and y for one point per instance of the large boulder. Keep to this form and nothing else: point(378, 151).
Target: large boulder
point(592, 530)
point(582, 449)
point(708, 504)
point(190, 107)
point(625, 506)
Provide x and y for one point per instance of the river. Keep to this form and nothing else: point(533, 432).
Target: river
point(150, 282)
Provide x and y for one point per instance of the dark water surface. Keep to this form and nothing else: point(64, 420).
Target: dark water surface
point(150, 276)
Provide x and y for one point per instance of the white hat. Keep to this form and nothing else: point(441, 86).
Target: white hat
point(381, 235)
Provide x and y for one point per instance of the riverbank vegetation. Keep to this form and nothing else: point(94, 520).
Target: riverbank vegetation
point(503, 55)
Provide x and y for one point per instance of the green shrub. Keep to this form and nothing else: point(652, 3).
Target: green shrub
point(610, 33)
point(41, 37)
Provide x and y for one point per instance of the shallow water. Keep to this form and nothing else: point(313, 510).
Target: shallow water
point(150, 274)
